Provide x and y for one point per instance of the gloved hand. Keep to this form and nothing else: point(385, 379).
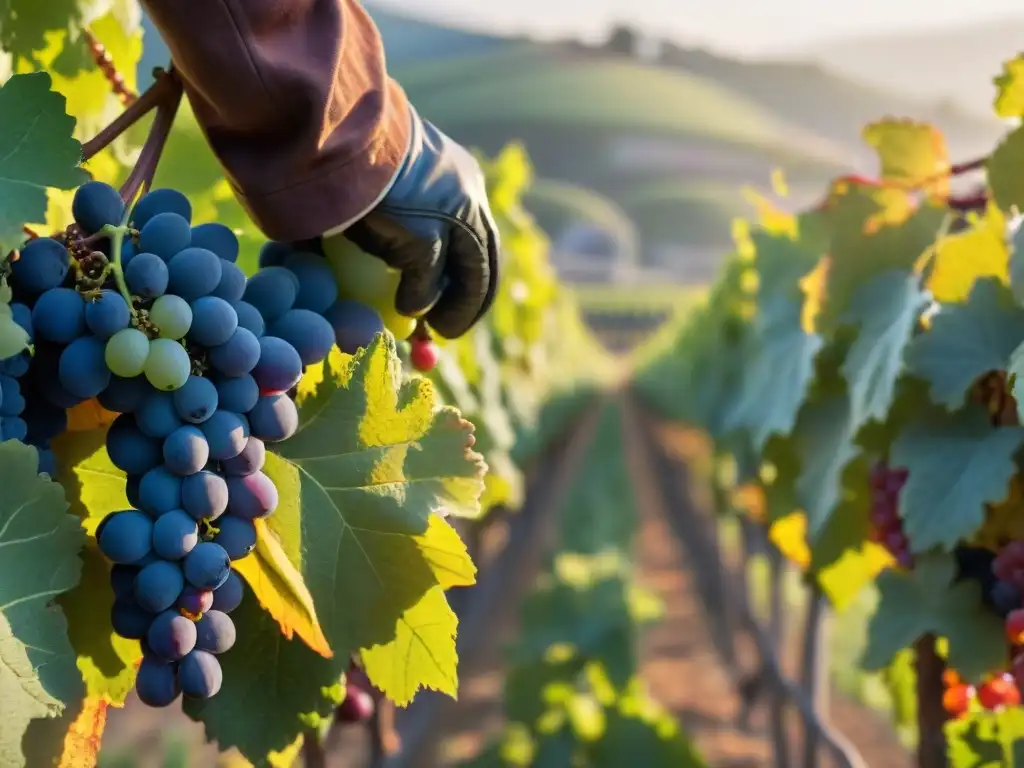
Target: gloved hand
point(434, 225)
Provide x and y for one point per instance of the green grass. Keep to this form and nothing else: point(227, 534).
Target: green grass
point(556, 204)
point(687, 213)
point(591, 93)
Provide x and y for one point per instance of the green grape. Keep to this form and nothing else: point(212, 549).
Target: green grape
point(126, 352)
point(361, 277)
point(172, 316)
point(401, 327)
point(168, 365)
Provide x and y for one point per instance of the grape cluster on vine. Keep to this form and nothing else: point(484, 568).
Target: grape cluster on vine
point(153, 318)
point(886, 525)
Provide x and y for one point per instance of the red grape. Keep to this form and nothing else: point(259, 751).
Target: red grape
point(423, 354)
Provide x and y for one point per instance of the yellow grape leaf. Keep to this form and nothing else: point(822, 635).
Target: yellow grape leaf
point(365, 484)
point(1004, 178)
point(912, 154)
point(961, 259)
point(280, 589)
point(789, 534)
point(410, 661)
point(94, 485)
point(107, 662)
point(85, 735)
point(1010, 88)
point(89, 415)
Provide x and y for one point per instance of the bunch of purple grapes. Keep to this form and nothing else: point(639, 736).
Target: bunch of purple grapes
point(886, 524)
point(199, 362)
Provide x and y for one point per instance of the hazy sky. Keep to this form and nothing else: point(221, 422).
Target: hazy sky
point(750, 26)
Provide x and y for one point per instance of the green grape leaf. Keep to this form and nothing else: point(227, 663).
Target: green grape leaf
point(36, 151)
point(639, 732)
point(780, 369)
point(41, 544)
point(107, 661)
point(885, 310)
point(824, 443)
point(967, 341)
point(912, 154)
point(925, 600)
point(363, 486)
point(1009, 84)
point(95, 487)
point(1006, 184)
point(957, 463)
point(24, 24)
point(13, 338)
point(986, 739)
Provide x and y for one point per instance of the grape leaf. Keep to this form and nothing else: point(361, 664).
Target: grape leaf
point(95, 487)
point(1009, 84)
point(277, 583)
point(912, 154)
point(36, 151)
point(958, 462)
point(823, 439)
point(967, 341)
point(640, 732)
point(885, 310)
point(925, 600)
point(986, 739)
point(363, 486)
point(979, 252)
point(40, 543)
point(1006, 184)
point(13, 338)
point(24, 24)
point(780, 368)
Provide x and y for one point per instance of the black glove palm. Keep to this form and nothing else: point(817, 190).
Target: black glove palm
point(434, 225)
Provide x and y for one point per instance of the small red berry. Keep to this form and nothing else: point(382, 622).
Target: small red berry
point(1015, 626)
point(999, 692)
point(957, 699)
point(423, 354)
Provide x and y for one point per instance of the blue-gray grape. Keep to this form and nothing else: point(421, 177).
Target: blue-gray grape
point(156, 415)
point(279, 368)
point(175, 534)
point(215, 632)
point(318, 289)
point(239, 355)
point(231, 287)
point(217, 238)
point(107, 314)
point(200, 675)
point(125, 537)
point(160, 491)
point(250, 318)
point(165, 235)
point(236, 535)
point(196, 401)
point(250, 460)
point(147, 276)
point(42, 264)
point(355, 325)
point(309, 333)
point(59, 316)
point(82, 369)
point(97, 205)
point(213, 321)
point(194, 273)
point(186, 450)
point(157, 682)
point(158, 585)
point(237, 393)
point(160, 201)
point(272, 291)
point(229, 595)
point(226, 434)
point(129, 449)
point(274, 418)
point(204, 495)
point(129, 620)
point(171, 636)
point(207, 566)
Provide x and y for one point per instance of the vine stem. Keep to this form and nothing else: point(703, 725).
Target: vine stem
point(166, 88)
point(145, 167)
point(931, 717)
point(106, 65)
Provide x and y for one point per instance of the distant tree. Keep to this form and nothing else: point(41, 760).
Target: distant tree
point(622, 40)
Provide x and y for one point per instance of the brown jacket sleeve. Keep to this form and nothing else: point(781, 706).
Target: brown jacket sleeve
point(295, 102)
